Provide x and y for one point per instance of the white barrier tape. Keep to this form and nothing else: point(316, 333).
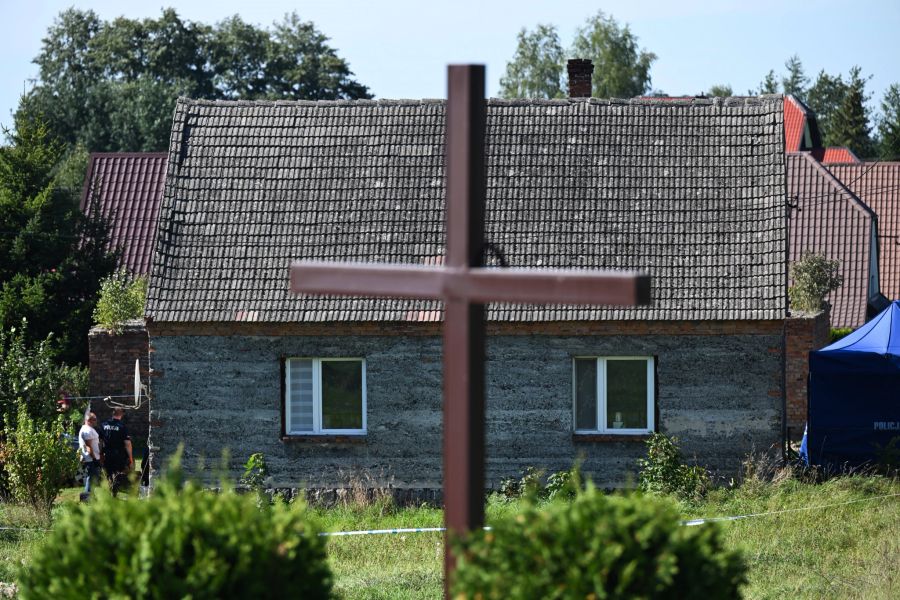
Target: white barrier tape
point(693, 522)
point(380, 531)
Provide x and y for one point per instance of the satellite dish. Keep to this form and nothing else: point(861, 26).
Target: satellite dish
point(137, 382)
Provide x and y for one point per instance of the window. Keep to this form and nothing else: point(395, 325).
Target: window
point(613, 395)
point(325, 396)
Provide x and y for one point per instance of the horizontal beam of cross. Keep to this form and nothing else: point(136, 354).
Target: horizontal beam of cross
point(479, 285)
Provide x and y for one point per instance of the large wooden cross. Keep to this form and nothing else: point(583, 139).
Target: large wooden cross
point(465, 286)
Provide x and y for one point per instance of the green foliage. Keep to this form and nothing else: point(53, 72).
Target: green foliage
point(181, 542)
point(721, 91)
point(29, 375)
point(121, 299)
point(51, 256)
point(824, 98)
point(37, 460)
point(795, 81)
point(112, 85)
point(621, 68)
point(769, 85)
point(596, 546)
point(255, 472)
point(562, 484)
point(536, 68)
point(850, 124)
point(663, 471)
point(814, 278)
point(889, 125)
point(837, 333)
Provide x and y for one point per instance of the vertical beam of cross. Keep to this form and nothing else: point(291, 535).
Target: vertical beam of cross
point(463, 320)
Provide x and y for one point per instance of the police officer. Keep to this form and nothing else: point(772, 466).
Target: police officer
point(117, 457)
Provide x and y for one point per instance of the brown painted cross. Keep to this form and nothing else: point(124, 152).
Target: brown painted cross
point(464, 286)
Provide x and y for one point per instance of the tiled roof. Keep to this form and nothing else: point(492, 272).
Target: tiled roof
point(829, 219)
point(878, 185)
point(127, 189)
point(691, 192)
point(794, 123)
point(835, 154)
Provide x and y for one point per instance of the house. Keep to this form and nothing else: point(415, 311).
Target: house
point(827, 218)
point(692, 192)
point(126, 189)
point(801, 133)
point(878, 185)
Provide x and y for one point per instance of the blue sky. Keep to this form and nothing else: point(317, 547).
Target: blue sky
point(400, 48)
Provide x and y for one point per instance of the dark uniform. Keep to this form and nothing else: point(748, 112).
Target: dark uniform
point(114, 433)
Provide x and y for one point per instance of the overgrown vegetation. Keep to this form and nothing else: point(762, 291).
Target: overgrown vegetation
point(814, 278)
point(596, 546)
point(36, 459)
point(837, 333)
point(182, 542)
point(122, 299)
point(29, 375)
point(663, 471)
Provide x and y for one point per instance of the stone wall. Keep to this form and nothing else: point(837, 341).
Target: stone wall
point(802, 335)
point(112, 374)
point(719, 392)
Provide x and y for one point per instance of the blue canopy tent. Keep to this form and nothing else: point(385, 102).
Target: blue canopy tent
point(854, 394)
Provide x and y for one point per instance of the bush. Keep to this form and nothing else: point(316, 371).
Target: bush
point(181, 542)
point(814, 277)
point(663, 471)
point(837, 333)
point(37, 460)
point(121, 299)
point(596, 546)
point(30, 375)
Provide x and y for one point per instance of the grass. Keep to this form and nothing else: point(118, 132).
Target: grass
point(846, 551)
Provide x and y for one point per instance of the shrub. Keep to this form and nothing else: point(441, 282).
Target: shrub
point(121, 299)
point(181, 542)
point(663, 471)
point(814, 277)
point(31, 375)
point(37, 460)
point(837, 333)
point(596, 546)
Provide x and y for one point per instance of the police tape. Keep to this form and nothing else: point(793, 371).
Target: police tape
point(693, 522)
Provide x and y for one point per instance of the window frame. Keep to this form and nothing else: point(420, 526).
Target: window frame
point(317, 429)
point(602, 396)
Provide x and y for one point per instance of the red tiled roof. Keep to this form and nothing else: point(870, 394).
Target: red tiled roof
point(830, 220)
point(794, 123)
point(835, 154)
point(127, 189)
point(878, 185)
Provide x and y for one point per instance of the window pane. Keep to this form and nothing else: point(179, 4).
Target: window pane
point(300, 396)
point(341, 395)
point(585, 393)
point(626, 394)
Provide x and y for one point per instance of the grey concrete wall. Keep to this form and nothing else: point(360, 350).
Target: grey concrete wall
point(719, 394)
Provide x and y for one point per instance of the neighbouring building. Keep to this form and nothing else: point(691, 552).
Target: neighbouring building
point(690, 191)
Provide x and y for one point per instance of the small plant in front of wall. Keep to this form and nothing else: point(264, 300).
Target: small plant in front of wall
point(256, 475)
point(562, 484)
point(814, 278)
point(664, 472)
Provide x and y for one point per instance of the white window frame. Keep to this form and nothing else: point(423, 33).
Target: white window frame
point(317, 397)
point(602, 400)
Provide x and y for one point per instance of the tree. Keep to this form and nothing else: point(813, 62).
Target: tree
point(112, 86)
point(769, 85)
point(850, 124)
point(795, 81)
point(889, 124)
point(621, 68)
point(720, 91)
point(824, 98)
point(52, 257)
point(536, 68)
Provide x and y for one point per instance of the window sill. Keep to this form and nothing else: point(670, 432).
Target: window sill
point(610, 437)
point(324, 439)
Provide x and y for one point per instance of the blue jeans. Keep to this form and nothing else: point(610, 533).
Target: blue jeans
point(91, 469)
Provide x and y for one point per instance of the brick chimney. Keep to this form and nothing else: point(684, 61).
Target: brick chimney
point(580, 72)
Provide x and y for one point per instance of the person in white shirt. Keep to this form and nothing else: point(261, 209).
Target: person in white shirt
point(89, 449)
